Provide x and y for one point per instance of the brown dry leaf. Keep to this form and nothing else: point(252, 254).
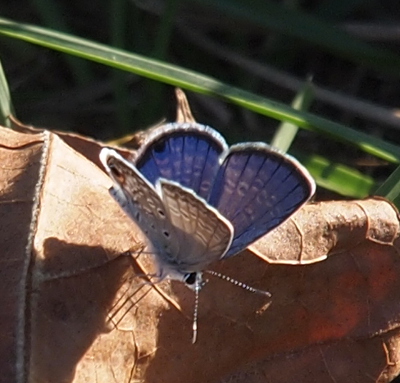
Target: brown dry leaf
point(75, 313)
point(329, 227)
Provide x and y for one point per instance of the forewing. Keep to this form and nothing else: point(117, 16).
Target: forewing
point(256, 189)
point(186, 153)
point(203, 234)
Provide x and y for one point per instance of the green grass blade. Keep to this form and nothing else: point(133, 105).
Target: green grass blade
point(51, 14)
point(119, 23)
point(154, 91)
point(177, 76)
point(391, 187)
point(286, 132)
point(337, 177)
point(165, 29)
point(6, 107)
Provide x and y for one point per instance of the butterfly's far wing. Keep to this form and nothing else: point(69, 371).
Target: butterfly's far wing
point(187, 153)
point(203, 234)
point(139, 199)
point(256, 189)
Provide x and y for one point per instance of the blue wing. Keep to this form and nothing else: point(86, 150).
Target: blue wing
point(185, 153)
point(256, 189)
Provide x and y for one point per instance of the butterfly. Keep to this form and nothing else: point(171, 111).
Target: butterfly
point(198, 200)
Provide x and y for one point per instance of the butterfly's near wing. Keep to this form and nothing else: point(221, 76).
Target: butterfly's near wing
point(256, 189)
point(203, 234)
point(139, 199)
point(185, 153)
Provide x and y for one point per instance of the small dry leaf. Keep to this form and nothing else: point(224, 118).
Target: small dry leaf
point(183, 112)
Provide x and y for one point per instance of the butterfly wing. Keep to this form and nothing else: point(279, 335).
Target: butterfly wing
point(203, 234)
point(184, 153)
point(256, 189)
point(139, 199)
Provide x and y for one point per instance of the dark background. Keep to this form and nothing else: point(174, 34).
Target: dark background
point(52, 90)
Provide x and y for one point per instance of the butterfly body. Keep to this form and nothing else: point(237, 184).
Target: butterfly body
point(199, 201)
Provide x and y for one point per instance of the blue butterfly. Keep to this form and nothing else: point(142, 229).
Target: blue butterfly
point(198, 200)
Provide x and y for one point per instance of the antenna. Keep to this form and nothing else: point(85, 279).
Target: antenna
point(238, 283)
point(198, 286)
point(199, 283)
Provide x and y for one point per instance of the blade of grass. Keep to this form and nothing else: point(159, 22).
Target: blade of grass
point(177, 76)
point(337, 177)
point(53, 17)
point(6, 107)
point(118, 15)
point(286, 132)
point(154, 91)
point(171, 8)
point(391, 187)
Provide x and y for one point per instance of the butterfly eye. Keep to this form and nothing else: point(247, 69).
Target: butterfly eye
point(159, 147)
point(190, 278)
point(116, 173)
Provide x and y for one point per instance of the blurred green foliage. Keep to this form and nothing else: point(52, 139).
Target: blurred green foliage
point(252, 58)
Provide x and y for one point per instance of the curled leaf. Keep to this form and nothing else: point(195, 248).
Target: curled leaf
point(329, 227)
